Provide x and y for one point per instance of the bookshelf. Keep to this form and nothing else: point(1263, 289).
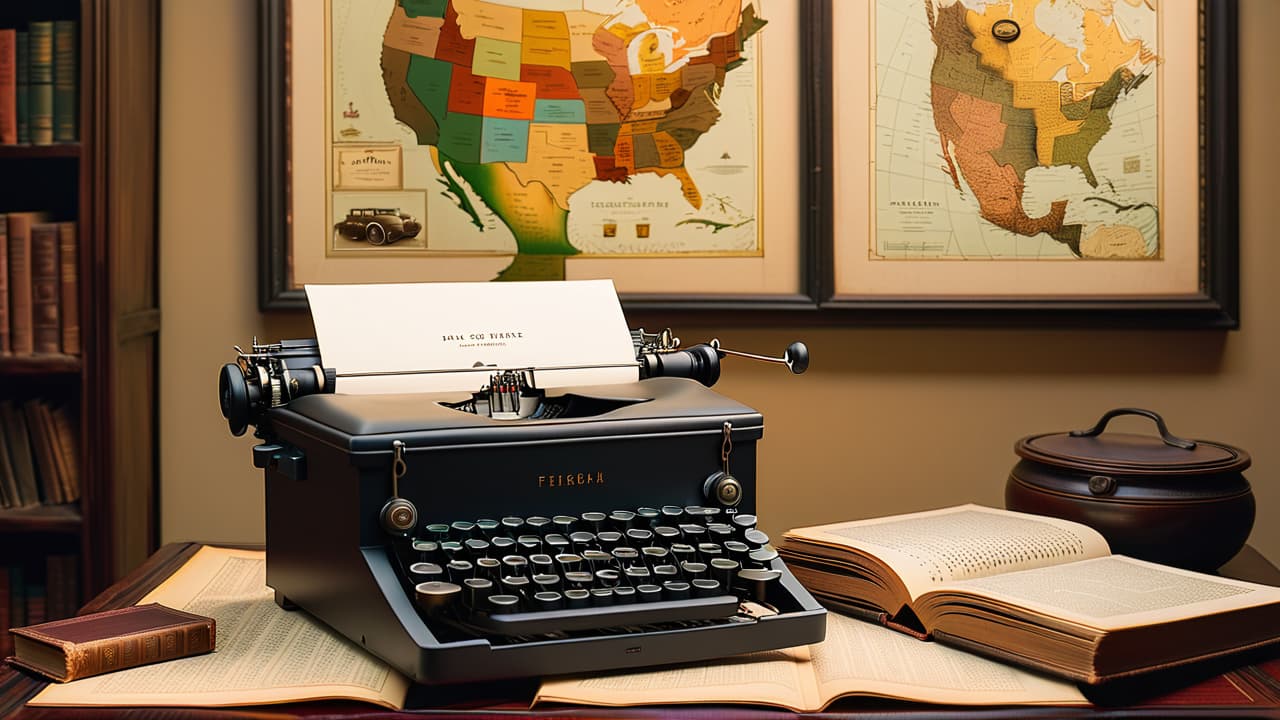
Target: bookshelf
point(104, 180)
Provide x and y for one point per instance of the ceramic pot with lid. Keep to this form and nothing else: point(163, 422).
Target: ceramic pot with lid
point(1160, 498)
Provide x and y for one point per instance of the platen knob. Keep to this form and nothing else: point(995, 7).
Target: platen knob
point(722, 489)
point(399, 516)
point(233, 398)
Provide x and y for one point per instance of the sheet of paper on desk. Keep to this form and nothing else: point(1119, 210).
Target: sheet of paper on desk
point(433, 326)
point(264, 654)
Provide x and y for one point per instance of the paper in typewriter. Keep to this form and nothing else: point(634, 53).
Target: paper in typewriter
point(397, 338)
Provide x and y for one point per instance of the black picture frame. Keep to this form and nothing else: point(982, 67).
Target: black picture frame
point(1216, 305)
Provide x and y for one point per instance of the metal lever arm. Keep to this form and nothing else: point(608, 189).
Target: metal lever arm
point(796, 356)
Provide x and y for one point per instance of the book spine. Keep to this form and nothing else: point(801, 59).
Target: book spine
point(8, 87)
point(20, 338)
point(42, 449)
point(64, 81)
point(46, 332)
point(118, 653)
point(69, 287)
point(66, 447)
point(5, 348)
point(22, 102)
point(41, 81)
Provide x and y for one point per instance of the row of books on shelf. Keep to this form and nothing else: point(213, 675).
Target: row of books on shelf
point(39, 285)
point(38, 83)
point(38, 458)
point(37, 590)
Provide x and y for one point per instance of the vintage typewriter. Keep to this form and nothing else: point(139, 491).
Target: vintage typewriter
point(514, 530)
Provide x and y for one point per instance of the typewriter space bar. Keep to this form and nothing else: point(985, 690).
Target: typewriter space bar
point(594, 618)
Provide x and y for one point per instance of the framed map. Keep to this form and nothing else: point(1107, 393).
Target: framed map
point(657, 144)
point(1032, 161)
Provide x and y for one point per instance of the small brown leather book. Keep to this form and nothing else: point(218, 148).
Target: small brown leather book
point(65, 650)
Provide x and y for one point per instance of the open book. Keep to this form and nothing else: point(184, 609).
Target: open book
point(1038, 591)
point(857, 659)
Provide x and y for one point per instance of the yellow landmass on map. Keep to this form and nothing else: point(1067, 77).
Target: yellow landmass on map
point(582, 33)
point(477, 18)
point(1114, 241)
point(559, 159)
point(693, 22)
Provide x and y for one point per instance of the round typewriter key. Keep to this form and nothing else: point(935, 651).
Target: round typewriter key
point(475, 591)
point(694, 570)
point(594, 520)
point(666, 534)
point(546, 581)
point(564, 524)
point(675, 590)
point(548, 600)
point(597, 559)
point(462, 530)
point(453, 550)
point(487, 528)
point(530, 543)
point(764, 556)
point(609, 539)
point(421, 572)
point(477, 548)
point(621, 519)
point(708, 551)
point(693, 534)
point(648, 593)
point(438, 532)
point(695, 512)
point(582, 541)
point(503, 603)
point(537, 524)
point(487, 567)
point(460, 570)
point(720, 532)
point(637, 574)
point(710, 515)
point(556, 543)
point(542, 563)
point(435, 596)
point(665, 572)
point(428, 550)
point(755, 538)
point(647, 516)
point(724, 571)
point(502, 544)
point(737, 550)
point(515, 585)
point(515, 565)
point(756, 582)
point(568, 562)
point(654, 554)
point(577, 598)
point(579, 579)
point(639, 537)
point(706, 587)
point(513, 525)
point(672, 514)
point(626, 557)
point(681, 552)
point(601, 597)
point(607, 577)
point(744, 522)
point(623, 594)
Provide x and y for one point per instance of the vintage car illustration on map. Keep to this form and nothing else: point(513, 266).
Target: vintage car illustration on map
point(378, 226)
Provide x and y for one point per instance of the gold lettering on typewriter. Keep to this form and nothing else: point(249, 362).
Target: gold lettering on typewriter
point(558, 480)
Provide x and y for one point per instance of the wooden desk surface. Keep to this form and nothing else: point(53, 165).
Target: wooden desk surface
point(1248, 687)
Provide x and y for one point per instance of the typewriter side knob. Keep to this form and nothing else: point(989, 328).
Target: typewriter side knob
point(399, 516)
point(233, 397)
point(722, 489)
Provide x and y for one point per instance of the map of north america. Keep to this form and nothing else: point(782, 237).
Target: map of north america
point(528, 103)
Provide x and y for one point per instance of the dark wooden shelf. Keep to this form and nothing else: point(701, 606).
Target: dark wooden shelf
point(40, 364)
point(41, 518)
point(61, 150)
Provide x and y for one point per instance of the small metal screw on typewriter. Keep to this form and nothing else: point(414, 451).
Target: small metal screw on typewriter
point(519, 530)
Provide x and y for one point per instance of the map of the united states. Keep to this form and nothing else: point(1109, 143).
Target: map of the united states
point(529, 106)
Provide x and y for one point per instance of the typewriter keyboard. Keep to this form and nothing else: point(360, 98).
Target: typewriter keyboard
point(520, 577)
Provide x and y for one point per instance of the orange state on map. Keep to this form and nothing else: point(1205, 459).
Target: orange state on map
point(694, 22)
point(508, 99)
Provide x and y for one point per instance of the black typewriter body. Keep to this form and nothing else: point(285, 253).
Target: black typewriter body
point(333, 461)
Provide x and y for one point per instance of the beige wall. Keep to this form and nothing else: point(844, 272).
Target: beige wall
point(887, 420)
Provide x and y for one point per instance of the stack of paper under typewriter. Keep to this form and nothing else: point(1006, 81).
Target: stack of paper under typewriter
point(478, 481)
